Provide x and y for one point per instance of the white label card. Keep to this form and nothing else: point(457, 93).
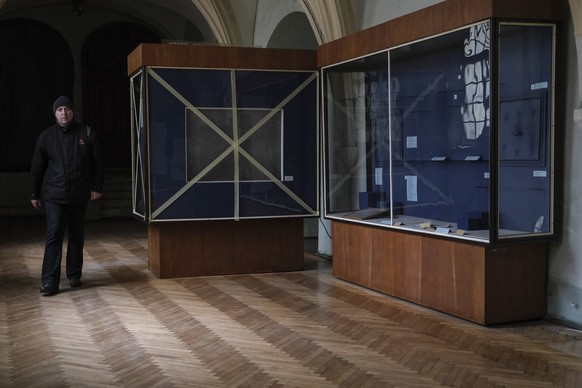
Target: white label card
point(411, 142)
point(378, 176)
point(411, 188)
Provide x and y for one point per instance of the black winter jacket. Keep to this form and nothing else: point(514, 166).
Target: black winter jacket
point(67, 164)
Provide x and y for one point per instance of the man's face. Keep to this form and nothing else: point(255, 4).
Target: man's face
point(64, 115)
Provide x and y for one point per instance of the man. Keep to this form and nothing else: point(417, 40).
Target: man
point(67, 170)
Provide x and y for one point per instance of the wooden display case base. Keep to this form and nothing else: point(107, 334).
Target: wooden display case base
point(201, 248)
point(480, 283)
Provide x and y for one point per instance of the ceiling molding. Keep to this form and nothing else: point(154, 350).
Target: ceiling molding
point(330, 20)
point(576, 9)
point(221, 19)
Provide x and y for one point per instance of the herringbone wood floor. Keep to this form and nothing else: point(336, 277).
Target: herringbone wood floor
point(126, 328)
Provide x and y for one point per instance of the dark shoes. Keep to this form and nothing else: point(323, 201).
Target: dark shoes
point(75, 282)
point(49, 290)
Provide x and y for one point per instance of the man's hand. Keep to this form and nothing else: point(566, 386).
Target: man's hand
point(36, 203)
point(95, 195)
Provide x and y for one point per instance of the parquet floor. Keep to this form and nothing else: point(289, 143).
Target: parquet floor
point(125, 328)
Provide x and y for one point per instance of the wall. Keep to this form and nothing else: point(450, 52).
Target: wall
point(269, 16)
point(565, 264)
point(374, 12)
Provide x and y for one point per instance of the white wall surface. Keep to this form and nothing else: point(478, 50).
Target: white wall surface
point(565, 262)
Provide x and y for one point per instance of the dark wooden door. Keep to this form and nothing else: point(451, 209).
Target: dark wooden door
point(106, 87)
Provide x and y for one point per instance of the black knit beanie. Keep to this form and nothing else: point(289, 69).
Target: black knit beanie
point(62, 101)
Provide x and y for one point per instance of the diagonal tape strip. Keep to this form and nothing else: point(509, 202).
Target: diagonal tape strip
point(191, 183)
point(233, 143)
point(276, 109)
point(276, 181)
point(187, 103)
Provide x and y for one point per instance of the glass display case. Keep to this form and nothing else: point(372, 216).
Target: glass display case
point(224, 144)
point(450, 135)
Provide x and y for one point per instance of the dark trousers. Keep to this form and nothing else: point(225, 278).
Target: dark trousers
point(61, 217)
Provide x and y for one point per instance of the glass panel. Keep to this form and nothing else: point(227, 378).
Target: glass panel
point(278, 143)
point(138, 141)
point(440, 107)
point(171, 92)
point(440, 97)
point(208, 143)
point(357, 138)
point(525, 129)
point(278, 138)
point(215, 157)
point(408, 135)
point(408, 143)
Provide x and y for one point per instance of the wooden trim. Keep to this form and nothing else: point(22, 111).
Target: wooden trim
point(220, 57)
point(483, 284)
point(528, 9)
point(201, 248)
point(516, 282)
point(437, 19)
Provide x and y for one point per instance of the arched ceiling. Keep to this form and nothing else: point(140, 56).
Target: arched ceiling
point(220, 16)
point(232, 21)
point(145, 11)
point(576, 9)
point(330, 20)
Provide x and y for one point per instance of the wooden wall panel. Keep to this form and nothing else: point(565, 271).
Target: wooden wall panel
point(408, 280)
point(360, 254)
point(220, 57)
point(437, 276)
point(154, 252)
point(528, 9)
point(383, 266)
point(340, 250)
point(469, 275)
point(516, 282)
point(472, 281)
point(355, 255)
point(200, 248)
point(396, 265)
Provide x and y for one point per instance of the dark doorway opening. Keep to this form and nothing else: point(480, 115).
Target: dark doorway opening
point(36, 66)
point(106, 87)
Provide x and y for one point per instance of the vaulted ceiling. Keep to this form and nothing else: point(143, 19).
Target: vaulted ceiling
point(227, 18)
point(231, 22)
